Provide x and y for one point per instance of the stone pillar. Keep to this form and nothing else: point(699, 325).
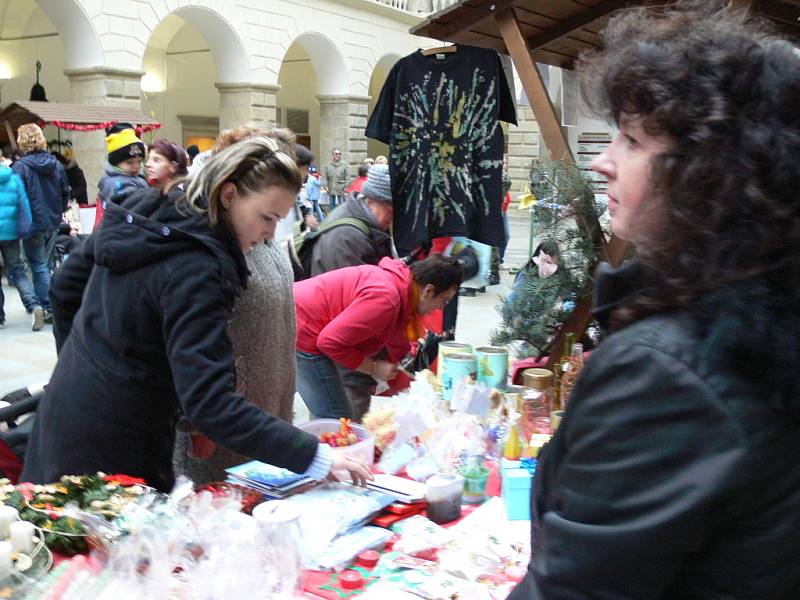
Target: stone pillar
point(243, 102)
point(342, 120)
point(523, 147)
point(100, 86)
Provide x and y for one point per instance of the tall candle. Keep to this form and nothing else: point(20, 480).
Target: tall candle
point(22, 536)
point(5, 558)
point(8, 514)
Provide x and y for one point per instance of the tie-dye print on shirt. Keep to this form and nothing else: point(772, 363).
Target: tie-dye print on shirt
point(441, 117)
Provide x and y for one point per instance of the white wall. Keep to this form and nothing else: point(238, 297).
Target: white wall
point(188, 86)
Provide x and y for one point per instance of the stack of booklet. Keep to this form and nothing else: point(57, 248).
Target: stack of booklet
point(273, 482)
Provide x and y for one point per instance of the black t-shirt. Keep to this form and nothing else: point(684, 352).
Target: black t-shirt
point(440, 115)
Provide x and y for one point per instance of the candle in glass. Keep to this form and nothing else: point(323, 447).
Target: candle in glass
point(8, 514)
point(22, 536)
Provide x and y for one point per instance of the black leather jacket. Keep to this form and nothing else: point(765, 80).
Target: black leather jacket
point(674, 473)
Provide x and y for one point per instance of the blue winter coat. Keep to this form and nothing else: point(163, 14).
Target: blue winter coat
point(12, 197)
point(117, 184)
point(47, 187)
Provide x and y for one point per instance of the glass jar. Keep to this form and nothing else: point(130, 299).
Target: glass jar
point(537, 402)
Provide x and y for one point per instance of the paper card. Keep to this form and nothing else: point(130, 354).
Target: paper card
point(409, 425)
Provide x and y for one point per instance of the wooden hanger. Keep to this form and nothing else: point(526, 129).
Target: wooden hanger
point(440, 50)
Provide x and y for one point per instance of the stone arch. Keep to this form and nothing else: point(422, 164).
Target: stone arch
point(77, 32)
point(328, 62)
point(227, 47)
point(377, 78)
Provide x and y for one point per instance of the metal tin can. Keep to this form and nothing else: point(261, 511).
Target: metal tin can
point(449, 348)
point(459, 367)
point(492, 366)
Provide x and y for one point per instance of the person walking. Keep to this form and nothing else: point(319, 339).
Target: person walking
point(15, 213)
point(349, 246)
point(75, 178)
point(141, 310)
point(313, 186)
point(49, 194)
point(334, 179)
point(347, 316)
point(674, 471)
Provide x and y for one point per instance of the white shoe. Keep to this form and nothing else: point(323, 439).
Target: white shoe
point(38, 318)
point(505, 267)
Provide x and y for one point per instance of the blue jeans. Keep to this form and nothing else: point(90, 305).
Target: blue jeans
point(36, 293)
point(508, 234)
point(317, 210)
point(321, 387)
point(335, 200)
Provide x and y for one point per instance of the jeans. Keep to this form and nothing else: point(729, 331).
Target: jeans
point(335, 200)
point(321, 387)
point(317, 211)
point(36, 293)
point(508, 234)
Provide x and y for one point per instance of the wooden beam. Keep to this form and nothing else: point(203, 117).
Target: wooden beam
point(575, 22)
point(12, 139)
point(465, 18)
point(549, 124)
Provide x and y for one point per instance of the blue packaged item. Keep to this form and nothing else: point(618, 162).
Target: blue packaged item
point(517, 478)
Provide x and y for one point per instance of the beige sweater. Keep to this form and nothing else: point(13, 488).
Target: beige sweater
point(262, 333)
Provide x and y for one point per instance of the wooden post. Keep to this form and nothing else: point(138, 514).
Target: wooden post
point(549, 125)
point(11, 137)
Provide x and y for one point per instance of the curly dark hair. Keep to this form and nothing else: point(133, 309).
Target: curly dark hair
point(724, 91)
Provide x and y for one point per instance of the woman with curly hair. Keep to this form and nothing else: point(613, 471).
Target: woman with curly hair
point(674, 473)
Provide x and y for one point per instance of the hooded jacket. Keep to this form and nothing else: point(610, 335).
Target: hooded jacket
point(352, 313)
point(674, 472)
point(77, 181)
point(141, 310)
point(116, 183)
point(47, 187)
point(12, 198)
point(347, 246)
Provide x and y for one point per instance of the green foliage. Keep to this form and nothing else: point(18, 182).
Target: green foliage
point(566, 217)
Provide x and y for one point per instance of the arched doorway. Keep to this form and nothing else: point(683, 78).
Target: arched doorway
point(192, 55)
point(376, 81)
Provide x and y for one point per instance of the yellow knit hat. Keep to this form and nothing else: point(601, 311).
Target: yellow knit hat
point(122, 143)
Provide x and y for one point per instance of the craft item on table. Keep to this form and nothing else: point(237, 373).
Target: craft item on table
point(444, 495)
point(405, 561)
point(249, 497)
point(8, 515)
point(368, 559)
point(475, 477)
point(419, 534)
point(363, 449)
point(346, 547)
point(492, 366)
point(470, 398)
point(422, 467)
point(271, 481)
point(279, 522)
point(458, 368)
point(517, 478)
point(334, 509)
point(403, 489)
point(396, 457)
point(5, 558)
point(388, 519)
point(330, 586)
point(380, 422)
point(345, 436)
point(450, 347)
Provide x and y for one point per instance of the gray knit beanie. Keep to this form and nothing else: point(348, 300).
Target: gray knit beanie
point(379, 185)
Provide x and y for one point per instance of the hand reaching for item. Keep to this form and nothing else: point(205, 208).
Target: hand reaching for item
point(342, 460)
point(385, 370)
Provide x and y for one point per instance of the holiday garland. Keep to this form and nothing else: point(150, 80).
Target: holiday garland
point(547, 289)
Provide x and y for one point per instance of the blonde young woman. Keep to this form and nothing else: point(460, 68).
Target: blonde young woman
point(263, 348)
point(140, 318)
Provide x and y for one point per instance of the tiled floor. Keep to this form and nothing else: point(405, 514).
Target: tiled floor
point(28, 357)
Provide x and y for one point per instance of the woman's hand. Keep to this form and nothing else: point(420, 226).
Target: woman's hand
point(359, 472)
point(385, 370)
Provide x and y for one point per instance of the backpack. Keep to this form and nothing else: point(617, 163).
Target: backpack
point(300, 243)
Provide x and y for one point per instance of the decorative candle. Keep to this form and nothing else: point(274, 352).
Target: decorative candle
point(8, 514)
point(5, 558)
point(22, 536)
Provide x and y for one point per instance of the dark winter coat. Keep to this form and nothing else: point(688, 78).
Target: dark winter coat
point(47, 187)
point(347, 246)
point(116, 184)
point(674, 473)
point(77, 181)
point(141, 310)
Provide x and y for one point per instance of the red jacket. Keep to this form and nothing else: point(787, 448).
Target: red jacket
point(356, 185)
point(352, 313)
